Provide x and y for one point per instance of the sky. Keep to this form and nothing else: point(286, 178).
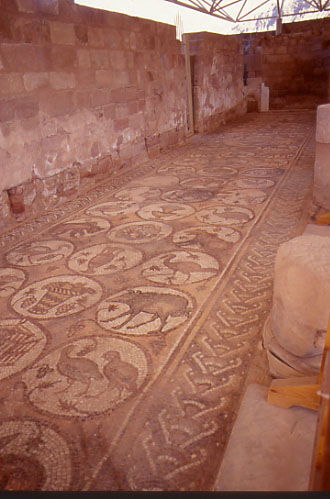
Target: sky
point(192, 21)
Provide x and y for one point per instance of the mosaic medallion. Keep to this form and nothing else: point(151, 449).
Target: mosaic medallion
point(33, 457)
point(144, 310)
point(225, 215)
point(10, 280)
point(39, 252)
point(157, 180)
point(180, 169)
point(138, 194)
point(81, 228)
point(57, 297)
point(140, 232)
point(213, 184)
point(242, 196)
point(165, 211)
point(112, 209)
point(202, 237)
point(219, 171)
point(246, 183)
point(180, 267)
point(89, 376)
point(188, 195)
point(21, 342)
point(263, 172)
point(104, 259)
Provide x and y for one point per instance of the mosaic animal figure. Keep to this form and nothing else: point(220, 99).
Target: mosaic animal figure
point(120, 374)
point(78, 369)
point(159, 305)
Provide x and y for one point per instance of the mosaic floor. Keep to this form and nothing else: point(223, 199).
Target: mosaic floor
point(130, 315)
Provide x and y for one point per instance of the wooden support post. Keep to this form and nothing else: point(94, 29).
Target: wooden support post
point(190, 108)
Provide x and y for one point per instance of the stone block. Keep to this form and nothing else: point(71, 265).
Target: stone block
point(62, 80)
point(63, 57)
point(81, 34)
point(323, 124)
point(100, 97)
point(62, 33)
point(20, 57)
point(321, 190)
point(118, 59)
point(317, 230)
point(95, 37)
point(85, 78)
point(11, 83)
point(83, 58)
point(57, 103)
point(35, 81)
point(7, 109)
point(99, 58)
point(27, 6)
point(270, 448)
point(104, 78)
point(26, 107)
point(301, 297)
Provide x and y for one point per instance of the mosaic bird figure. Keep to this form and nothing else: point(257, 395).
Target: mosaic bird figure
point(120, 374)
point(78, 369)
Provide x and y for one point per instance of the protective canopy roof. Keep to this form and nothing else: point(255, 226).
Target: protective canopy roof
point(219, 16)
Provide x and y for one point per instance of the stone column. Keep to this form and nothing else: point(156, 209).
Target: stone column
point(321, 191)
point(295, 332)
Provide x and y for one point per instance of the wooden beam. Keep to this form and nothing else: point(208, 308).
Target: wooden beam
point(301, 391)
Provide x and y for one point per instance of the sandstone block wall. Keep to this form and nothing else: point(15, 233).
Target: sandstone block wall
point(295, 65)
point(217, 79)
point(82, 92)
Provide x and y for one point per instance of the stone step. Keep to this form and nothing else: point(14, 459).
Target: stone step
point(270, 448)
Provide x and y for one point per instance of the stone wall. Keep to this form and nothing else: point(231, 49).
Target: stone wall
point(217, 77)
point(83, 92)
point(295, 65)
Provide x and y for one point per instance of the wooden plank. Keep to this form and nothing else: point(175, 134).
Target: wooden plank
point(320, 468)
point(323, 219)
point(301, 391)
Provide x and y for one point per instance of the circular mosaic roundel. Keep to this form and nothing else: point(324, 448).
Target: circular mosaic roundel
point(165, 211)
point(242, 196)
point(57, 297)
point(225, 215)
point(188, 195)
point(211, 183)
point(78, 228)
point(144, 310)
point(33, 457)
point(219, 171)
point(21, 342)
point(89, 376)
point(112, 209)
point(104, 259)
point(202, 237)
point(138, 194)
point(177, 169)
point(262, 172)
point(140, 232)
point(157, 180)
point(10, 280)
point(180, 267)
point(39, 252)
point(246, 183)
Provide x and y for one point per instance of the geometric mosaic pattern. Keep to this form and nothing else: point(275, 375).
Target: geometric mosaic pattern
point(130, 315)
